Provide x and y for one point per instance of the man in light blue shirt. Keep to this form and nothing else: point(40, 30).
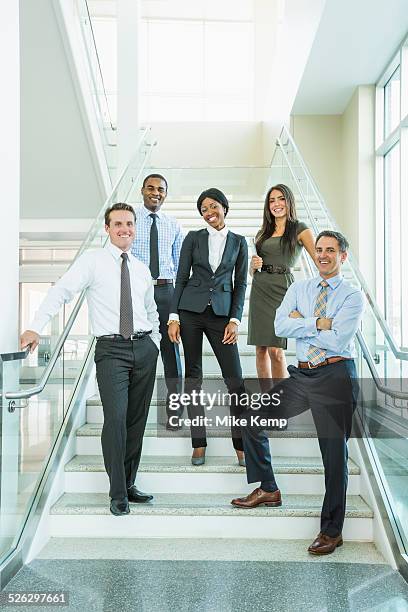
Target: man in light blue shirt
point(158, 244)
point(323, 314)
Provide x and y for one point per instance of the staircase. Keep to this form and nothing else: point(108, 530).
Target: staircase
point(194, 502)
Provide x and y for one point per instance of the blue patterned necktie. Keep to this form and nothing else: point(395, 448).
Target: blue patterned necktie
point(316, 355)
point(126, 308)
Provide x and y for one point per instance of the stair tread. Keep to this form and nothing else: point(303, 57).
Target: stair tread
point(151, 431)
point(205, 505)
point(182, 464)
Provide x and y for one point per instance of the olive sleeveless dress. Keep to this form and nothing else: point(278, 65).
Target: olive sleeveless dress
point(268, 291)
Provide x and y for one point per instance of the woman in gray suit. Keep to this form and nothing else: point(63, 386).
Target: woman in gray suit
point(211, 302)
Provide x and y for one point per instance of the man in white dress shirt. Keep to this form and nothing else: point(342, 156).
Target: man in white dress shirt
point(124, 319)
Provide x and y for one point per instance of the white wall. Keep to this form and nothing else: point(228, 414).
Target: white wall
point(208, 144)
point(58, 168)
point(339, 151)
point(319, 138)
point(10, 170)
point(358, 156)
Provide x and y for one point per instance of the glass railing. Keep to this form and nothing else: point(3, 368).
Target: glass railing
point(102, 101)
point(312, 209)
point(382, 412)
point(37, 390)
point(30, 426)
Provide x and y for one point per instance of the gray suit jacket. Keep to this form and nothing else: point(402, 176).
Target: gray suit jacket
point(194, 292)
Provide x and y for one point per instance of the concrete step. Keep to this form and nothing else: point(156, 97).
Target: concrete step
point(202, 516)
point(295, 442)
point(175, 474)
point(253, 213)
point(194, 549)
point(174, 206)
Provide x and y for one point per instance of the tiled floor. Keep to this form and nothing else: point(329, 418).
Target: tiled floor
point(215, 586)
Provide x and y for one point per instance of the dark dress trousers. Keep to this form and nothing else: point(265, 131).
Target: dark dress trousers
point(205, 302)
point(331, 393)
point(125, 371)
point(169, 351)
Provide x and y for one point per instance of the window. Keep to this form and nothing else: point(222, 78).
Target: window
point(392, 241)
point(205, 74)
point(392, 192)
point(392, 104)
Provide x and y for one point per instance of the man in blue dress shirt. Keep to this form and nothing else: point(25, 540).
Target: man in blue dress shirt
point(158, 244)
point(323, 314)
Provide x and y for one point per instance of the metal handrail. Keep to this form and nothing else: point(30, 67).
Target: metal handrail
point(402, 355)
point(361, 340)
point(26, 393)
point(115, 188)
point(95, 49)
point(15, 356)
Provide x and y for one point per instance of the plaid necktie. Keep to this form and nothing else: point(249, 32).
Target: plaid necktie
point(126, 309)
point(316, 355)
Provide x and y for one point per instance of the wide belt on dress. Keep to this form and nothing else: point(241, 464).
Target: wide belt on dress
point(272, 269)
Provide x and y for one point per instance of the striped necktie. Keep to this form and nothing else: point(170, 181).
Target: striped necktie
point(316, 355)
point(126, 308)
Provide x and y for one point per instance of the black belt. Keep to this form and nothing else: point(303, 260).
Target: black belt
point(272, 269)
point(136, 336)
point(162, 281)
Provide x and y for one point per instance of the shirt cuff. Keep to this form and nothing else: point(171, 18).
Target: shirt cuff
point(310, 326)
point(237, 321)
point(174, 317)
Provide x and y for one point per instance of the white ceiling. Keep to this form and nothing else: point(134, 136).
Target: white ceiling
point(354, 43)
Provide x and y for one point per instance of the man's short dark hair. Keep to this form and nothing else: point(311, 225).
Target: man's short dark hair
point(118, 206)
point(158, 176)
point(214, 194)
point(342, 240)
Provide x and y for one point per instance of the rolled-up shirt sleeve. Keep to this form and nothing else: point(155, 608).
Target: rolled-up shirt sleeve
point(288, 327)
point(344, 325)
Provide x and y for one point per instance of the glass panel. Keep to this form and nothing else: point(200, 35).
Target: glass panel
point(102, 84)
point(29, 433)
point(392, 242)
point(392, 102)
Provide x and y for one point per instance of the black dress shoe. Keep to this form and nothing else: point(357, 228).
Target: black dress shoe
point(174, 425)
point(119, 507)
point(137, 497)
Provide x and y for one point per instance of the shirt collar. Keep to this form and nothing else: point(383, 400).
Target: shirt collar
point(214, 232)
point(333, 282)
point(115, 251)
point(146, 212)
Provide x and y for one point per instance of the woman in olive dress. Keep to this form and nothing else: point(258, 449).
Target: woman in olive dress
point(278, 245)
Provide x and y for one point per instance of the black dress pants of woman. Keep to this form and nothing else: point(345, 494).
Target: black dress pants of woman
point(193, 327)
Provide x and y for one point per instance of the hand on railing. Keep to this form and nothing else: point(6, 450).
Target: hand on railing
point(29, 339)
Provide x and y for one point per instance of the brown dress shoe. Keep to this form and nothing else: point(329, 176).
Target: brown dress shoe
point(258, 497)
point(324, 544)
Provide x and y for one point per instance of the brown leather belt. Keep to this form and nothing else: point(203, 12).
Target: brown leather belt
point(162, 281)
point(306, 364)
